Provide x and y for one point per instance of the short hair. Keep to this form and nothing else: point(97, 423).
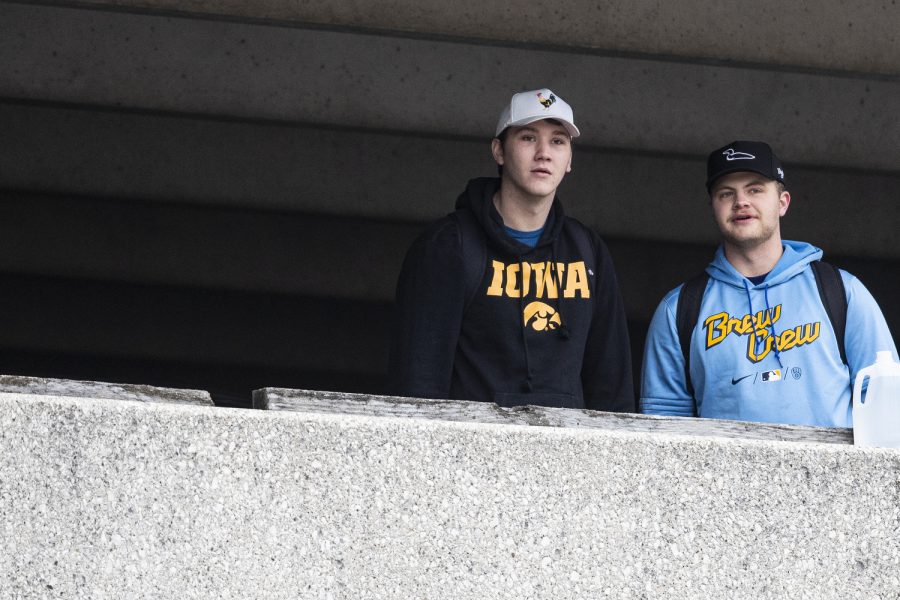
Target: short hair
point(779, 185)
point(502, 137)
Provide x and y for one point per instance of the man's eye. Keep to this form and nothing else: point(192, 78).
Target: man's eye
point(527, 138)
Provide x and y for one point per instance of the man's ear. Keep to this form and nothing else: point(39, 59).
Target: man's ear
point(784, 201)
point(497, 151)
point(569, 166)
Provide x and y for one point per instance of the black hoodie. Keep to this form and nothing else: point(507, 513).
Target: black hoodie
point(563, 342)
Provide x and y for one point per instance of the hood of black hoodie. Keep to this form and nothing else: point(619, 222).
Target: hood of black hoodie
point(478, 198)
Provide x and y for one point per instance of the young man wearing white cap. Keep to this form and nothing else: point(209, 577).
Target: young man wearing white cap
point(508, 300)
point(769, 332)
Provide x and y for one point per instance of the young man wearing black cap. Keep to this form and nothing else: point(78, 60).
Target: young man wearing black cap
point(768, 332)
point(508, 300)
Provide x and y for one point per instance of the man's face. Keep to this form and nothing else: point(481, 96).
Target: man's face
point(747, 208)
point(535, 157)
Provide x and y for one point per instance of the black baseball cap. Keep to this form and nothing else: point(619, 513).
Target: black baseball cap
point(743, 156)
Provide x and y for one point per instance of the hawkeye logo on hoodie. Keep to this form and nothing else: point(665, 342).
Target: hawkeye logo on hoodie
point(541, 316)
point(757, 328)
point(543, 280)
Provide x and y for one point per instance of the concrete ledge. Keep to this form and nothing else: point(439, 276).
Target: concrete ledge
point(41, 386)
point(103, 499)
point(309, 401)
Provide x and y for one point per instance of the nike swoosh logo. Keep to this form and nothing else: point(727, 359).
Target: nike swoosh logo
point(739, 379)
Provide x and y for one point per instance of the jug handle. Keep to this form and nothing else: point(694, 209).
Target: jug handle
point(857, 386)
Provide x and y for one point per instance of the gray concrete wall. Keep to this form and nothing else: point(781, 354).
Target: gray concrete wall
point(413, 178)
point(115, 499)
point(855, 37)
point(439, 87)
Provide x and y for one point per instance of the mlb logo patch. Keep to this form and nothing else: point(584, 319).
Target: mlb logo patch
point(771, 375)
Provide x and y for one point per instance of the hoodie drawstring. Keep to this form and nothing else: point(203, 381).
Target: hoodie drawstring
point(527, 385)
point(772, 325)
point(767, 313)
point(750, 302)
point(562, 331)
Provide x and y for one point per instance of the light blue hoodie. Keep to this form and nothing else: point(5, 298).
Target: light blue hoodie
point(763, 352)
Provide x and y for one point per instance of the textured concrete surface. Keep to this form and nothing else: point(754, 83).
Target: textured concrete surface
point(104, 499)
point(367, 405)
point(41, 386)
point(438, 87)
point(856, 36)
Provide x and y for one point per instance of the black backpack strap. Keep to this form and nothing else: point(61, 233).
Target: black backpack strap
point(686, 315)
point(834, 299)
point(473, 251)
point(584, 240)
point(587, 248)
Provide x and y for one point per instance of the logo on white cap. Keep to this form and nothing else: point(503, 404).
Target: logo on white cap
point(535, 105)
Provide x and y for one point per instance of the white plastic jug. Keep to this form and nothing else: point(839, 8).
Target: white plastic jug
point(876, 418)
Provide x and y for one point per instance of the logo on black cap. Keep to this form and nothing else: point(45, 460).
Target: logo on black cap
point(732, 154)
point(743, 156)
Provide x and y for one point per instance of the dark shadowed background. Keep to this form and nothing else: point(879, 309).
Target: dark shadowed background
point(218, 195)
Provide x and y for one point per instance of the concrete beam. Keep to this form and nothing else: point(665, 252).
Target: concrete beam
point(360, 174)
point(283, 254)
point(40, 386)
point(856, 37)
point(118, 499)
point(365, 405)
point(202, 247)
point(84, 319)
point(252, 71)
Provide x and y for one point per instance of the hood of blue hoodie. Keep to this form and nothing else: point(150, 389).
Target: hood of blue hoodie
point(794, 259)
point(478, 197)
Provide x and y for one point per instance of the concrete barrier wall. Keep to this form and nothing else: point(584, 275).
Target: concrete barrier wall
point(104, 498)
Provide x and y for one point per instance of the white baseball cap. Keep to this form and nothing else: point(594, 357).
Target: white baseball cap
point(534, 105)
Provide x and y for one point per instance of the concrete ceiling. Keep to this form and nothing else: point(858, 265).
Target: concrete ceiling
point(855, 37)
point(436, 87)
